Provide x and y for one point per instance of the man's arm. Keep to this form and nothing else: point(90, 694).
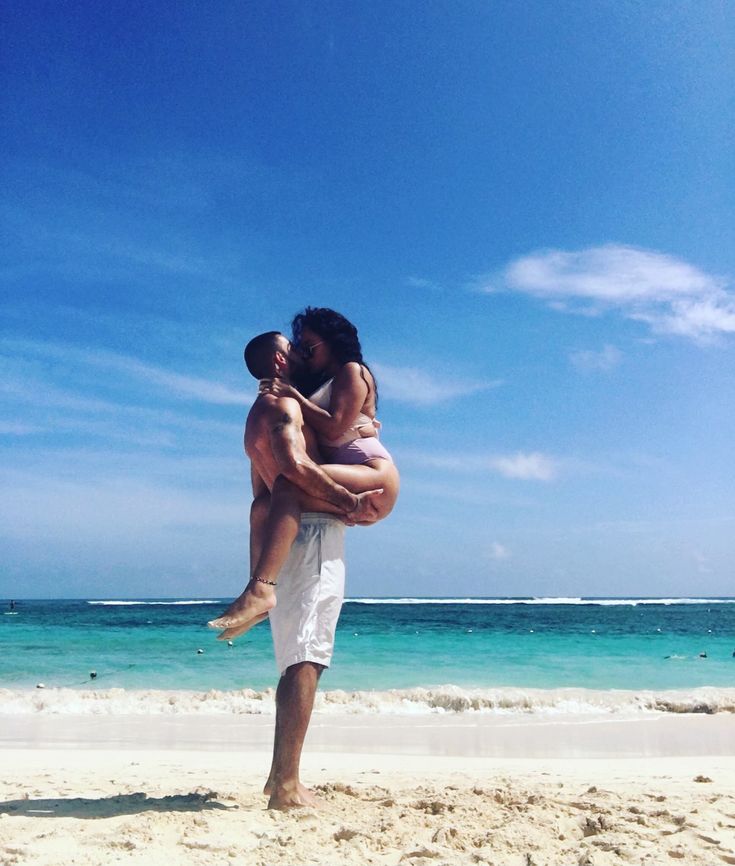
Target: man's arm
point(286, 438)
point(260, 488)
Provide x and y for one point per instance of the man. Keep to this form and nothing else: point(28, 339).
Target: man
point(311, 584)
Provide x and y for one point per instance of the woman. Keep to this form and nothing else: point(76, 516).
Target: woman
point(341, 412)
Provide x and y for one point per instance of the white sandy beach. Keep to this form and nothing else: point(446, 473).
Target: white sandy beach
point(157, 790)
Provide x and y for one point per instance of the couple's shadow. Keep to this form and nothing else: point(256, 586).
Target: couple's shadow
point(111, 807)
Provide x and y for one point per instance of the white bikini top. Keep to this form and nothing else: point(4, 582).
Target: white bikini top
point(322, 398)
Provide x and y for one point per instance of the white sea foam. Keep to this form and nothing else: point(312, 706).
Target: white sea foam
point(411, 701)
point(564, 600)
point(126, 603)
point(605, 602)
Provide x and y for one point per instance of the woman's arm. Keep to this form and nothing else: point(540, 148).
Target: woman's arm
point(349, 392)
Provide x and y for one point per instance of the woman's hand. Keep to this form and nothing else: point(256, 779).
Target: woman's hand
point(278, 387)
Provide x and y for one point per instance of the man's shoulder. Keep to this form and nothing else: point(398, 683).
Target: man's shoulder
point(269, 408)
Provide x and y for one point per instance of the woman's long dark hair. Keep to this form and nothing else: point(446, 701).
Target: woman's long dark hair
point(339, 334)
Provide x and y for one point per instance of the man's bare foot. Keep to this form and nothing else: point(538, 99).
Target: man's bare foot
point(291, 797)
point(306, 793)
point(258, 598)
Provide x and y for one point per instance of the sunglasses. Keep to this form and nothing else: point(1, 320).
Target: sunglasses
point(307, 352)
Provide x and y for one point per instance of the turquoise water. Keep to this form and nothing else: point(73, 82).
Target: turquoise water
point(491, 643)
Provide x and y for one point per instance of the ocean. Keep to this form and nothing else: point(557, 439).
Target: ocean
point(392, 655)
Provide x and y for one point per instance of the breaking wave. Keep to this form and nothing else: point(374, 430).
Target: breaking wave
point(604, 602)
point(410, 701)
point(123, 603)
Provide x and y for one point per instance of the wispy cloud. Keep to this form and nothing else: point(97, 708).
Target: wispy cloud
point(521, 465)
point(418, 388)
point(174, 383)
point(12, 428)
point(590, 361)
point(129, 221)
point(422, 283)
point(667, 293)
point(110, 508)
point(533, 466)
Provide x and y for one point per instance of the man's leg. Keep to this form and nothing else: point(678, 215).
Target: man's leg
point(294, 703)
point(303, 626)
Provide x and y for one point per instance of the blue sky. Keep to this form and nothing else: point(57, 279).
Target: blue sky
point(527, 209)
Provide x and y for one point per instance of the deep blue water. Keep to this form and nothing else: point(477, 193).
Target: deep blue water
point(540, 644)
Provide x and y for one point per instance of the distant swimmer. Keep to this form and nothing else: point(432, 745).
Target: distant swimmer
point(703, 655)
point(12, 604)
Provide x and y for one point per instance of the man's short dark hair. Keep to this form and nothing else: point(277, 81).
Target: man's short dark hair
point(259, 353)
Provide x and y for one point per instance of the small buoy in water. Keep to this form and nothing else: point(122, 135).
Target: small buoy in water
point(530, 631)
point(40, 685)
point(594, 631)
point(469, 631)
point(93, 675)
point(229, 643)
point(355, 634)
point(200, 652)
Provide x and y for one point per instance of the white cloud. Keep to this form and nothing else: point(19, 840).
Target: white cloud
point(612, 273)
point(604, 360)
point(498, 551)
point(419, 388)
point(697, 319)
point(669, 294)
point(524, 466)
point(527, 467)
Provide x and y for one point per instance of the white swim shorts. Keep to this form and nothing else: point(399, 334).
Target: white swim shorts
point(311, 588)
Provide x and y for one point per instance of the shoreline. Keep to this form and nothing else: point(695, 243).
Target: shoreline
point(463, 736)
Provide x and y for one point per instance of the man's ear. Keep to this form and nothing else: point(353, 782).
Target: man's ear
point(280, 362)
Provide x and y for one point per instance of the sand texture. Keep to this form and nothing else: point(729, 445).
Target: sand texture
point(95, 806)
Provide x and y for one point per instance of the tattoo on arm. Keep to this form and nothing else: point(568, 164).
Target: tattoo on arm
point(284, 420)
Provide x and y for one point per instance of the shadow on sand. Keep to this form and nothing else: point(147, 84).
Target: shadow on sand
point(111, 807)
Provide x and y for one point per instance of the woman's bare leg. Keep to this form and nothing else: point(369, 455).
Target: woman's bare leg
point(259, 509)
point(373, 475)
point(279, 533)
point(273, 529)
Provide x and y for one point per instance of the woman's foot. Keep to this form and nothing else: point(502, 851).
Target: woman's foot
point(229, 634)
point(247, 609)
